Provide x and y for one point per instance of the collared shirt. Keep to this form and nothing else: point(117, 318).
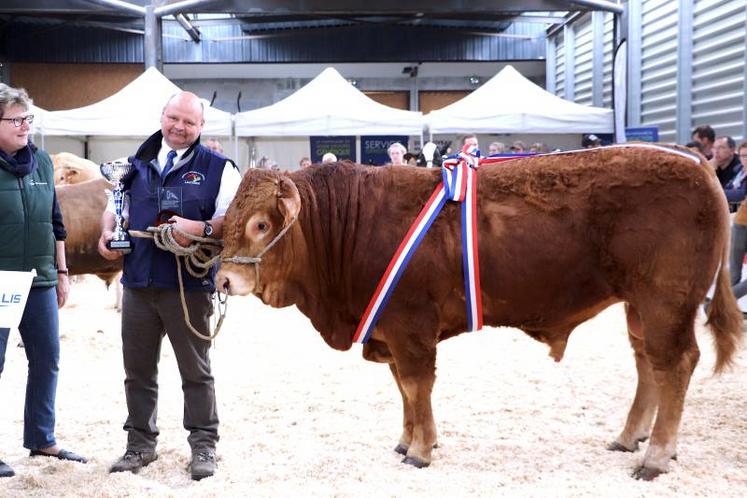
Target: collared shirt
point(229, 183)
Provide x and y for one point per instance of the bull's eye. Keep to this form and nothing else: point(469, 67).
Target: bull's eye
point(262, 226)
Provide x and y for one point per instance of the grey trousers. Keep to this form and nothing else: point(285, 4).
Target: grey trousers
point(147, 315)
point(736, 258)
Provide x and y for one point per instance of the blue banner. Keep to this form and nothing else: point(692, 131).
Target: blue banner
point(341, 146)
point(646, 134)
point(374, 148)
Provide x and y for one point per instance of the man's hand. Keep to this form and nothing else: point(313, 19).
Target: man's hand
point(63, 289)
point(105, 252)
point(192, 227)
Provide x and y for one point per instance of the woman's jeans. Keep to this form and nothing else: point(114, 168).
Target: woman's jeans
point(39, 330)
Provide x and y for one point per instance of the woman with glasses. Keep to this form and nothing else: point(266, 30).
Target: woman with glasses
point(32, 237)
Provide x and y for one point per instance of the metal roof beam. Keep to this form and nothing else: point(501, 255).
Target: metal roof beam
point(120, 5)
point(183, 6)
point(184, 22)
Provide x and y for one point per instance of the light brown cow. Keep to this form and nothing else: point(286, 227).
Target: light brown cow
point(561, 237)
point(82, 205)
point(70, 169)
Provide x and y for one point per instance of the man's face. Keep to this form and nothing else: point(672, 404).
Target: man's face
point(181, 121)
point(471, 141)
point(305, 163)
point(12, 138)
point(722, 153)
point(703, 140)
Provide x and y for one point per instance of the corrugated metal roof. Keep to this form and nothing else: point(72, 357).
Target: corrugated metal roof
point(26, 42)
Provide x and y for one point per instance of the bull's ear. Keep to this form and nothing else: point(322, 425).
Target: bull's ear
point(290, 200)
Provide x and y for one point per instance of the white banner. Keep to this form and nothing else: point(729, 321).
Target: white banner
point(14, 291)
point(620, 72)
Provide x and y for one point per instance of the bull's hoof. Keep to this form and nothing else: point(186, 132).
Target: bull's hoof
point(643, 473)
point(402, 449)
point(615, 446)
point(415, 462)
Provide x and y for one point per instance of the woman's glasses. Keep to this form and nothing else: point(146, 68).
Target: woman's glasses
point(18, 121)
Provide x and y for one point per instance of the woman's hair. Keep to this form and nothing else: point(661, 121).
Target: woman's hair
point(397, 145)
point(10, 96)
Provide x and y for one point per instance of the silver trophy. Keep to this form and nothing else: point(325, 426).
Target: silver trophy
point(115, 171)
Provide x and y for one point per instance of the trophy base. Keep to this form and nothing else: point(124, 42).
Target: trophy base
point(123, 246)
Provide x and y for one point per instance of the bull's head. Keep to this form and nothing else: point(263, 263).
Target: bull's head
point(265, 206)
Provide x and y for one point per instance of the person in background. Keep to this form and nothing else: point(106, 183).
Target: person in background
point(518, 147)
point(329, 158)
point(590, 141)
point(33, 238)
point(470, 139)
point(396, 152)
point(411, 159)
point(696, 147)
point(707, 137)
point(214, 145)
point(305, 162)
point(539, 148)
point(736, 191)
point(171, 165)
point(725, 161)
point(496, 148)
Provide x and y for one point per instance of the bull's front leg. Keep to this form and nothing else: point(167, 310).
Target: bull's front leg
point(407, 416)
point(414, 369)
point(378, 352)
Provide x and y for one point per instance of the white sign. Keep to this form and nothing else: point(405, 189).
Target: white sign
point(14, 291)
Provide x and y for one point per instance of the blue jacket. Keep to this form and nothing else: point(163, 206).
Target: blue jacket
point(198, 175)
point(736, 188)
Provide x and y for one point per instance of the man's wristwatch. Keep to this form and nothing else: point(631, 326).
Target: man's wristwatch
point(207, 230)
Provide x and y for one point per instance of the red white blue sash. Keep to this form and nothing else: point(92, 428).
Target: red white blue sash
point(459, 185)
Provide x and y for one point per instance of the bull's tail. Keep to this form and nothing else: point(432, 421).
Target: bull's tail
point(724, 319)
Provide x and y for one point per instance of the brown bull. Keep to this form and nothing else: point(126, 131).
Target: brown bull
point(561, 237)
point(82, 205)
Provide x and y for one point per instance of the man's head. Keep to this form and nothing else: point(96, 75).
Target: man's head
point(589, 141)
point(305, 162)
point(705, 135)
point(470, 139)
point(518, 147)
point(329, 157)
point(214, 145)
point(182, 120)
point(496, 148)
point(723, 151)
point(16, 119)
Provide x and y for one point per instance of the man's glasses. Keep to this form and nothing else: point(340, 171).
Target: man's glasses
point(18, 121)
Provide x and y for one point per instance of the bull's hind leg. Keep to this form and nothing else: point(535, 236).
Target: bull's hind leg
point(415, 370)
point(642, 412)
point(673, 353)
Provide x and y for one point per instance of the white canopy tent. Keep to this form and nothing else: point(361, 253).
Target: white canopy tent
point(510, 103)
point(134, 111)
point(328, 105)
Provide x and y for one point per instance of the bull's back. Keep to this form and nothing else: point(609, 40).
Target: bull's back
point(562, 235)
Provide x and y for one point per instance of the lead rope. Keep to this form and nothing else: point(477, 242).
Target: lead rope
point(198, 257)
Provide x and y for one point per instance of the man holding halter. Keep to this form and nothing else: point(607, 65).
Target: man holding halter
point(177, 180)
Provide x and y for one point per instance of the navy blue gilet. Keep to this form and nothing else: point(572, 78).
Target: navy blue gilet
point(199, 179)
